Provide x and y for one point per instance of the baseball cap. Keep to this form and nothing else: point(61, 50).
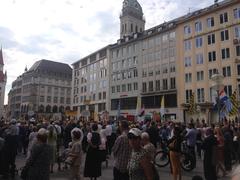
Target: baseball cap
point(134, 133)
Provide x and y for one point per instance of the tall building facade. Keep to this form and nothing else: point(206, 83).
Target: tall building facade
point(3, 81)
point(90, 82)
point(172, 60)
point(43, 90)
point(208, 43)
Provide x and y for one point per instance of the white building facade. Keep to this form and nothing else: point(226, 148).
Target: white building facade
point(90, 84)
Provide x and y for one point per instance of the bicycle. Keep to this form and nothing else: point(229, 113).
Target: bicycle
point(162, 158)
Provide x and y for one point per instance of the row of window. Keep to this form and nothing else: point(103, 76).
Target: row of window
point(200, 74)
point(92, 87)
point(82, 99)
point(149, 87)
point(212, 56)
point(50, 99)
point(92, 67)
point(211, 39)
point(125, 51)
point(55, 90)
point(200, 94)
point(159, 40)
point(92, 77)
point(125, 87)
point(52, 81)
point(165, 53)
point(147, 44)
point(210, 22)
point(165, 68)
point(125, 28)
point(132, 73)
point(125, 63)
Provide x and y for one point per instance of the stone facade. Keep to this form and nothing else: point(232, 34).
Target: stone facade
point(43, 90)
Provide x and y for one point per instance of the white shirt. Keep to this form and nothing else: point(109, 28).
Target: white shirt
point(108, 130)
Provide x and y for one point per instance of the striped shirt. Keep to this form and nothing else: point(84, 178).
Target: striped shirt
point(121, 152)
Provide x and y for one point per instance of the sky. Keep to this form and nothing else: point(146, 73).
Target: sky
point(68, 30)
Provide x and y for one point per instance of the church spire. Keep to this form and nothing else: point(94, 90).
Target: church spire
point(1, 57)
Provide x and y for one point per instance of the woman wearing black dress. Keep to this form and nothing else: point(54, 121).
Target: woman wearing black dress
point(92, 167)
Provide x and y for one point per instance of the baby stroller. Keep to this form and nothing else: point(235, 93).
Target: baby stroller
point(61, 158)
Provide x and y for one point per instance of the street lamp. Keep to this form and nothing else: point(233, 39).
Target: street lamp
point(218, 86)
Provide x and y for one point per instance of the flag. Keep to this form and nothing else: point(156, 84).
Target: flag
point(222, 96)
point(192, 108)
point(142, 111)
point(234, 102)
point(162, 108)
point(138, 106)
point(224, 101)
point(119, 109)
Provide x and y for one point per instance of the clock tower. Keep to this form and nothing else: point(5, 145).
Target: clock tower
point(131, 18)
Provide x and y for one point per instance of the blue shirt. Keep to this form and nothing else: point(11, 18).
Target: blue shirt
point(191, 137)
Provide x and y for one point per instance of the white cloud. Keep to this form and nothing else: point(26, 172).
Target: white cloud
point(67, 30)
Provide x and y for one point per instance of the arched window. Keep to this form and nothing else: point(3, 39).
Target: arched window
point(125, 27)
point(61, 109)
point(48, 109)
point(140, 29)
point(131, 27)
point(25, 108)
point(67, 108)
point(41, 109)
point(122, 28)
point(55, 109)
point(136, 28)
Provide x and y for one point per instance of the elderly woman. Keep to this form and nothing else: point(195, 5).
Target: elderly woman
point(148, 146)
point(39, 161)
point(76, 154)
point(140, 167)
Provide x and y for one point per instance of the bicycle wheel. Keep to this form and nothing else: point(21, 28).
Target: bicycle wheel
point(186, 161)
point(161, 159)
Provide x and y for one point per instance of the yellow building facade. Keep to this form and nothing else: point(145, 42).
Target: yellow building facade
point(208, 43)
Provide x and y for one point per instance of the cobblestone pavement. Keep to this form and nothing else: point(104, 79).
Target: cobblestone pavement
point(107, 171)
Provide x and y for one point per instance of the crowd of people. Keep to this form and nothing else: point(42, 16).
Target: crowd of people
point(132, 145)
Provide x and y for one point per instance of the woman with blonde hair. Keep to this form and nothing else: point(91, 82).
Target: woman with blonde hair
point(220, 151)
